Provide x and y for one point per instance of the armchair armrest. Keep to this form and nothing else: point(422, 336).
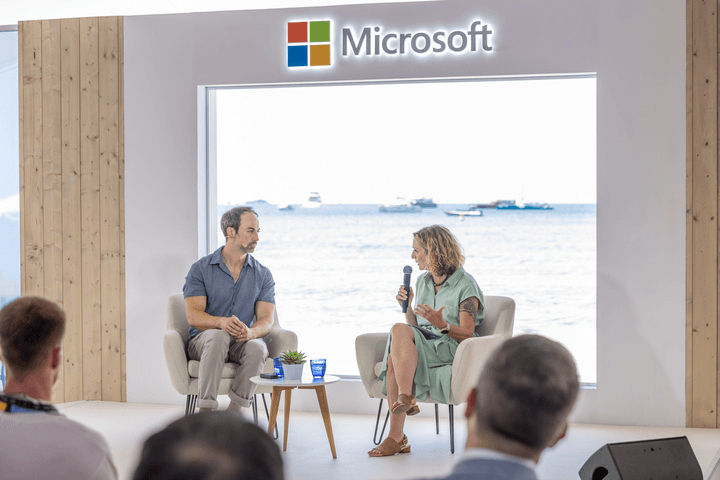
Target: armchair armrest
point(469, 360)
point(177, 362)
point(279, 340)
point(369, 350)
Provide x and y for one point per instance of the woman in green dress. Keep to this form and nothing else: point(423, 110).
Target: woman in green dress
point(419, 353)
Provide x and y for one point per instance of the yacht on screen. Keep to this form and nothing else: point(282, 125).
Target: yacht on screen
point(400, 205)
point(313, 201)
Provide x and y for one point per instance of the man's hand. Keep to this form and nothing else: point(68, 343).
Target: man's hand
point(236, 328)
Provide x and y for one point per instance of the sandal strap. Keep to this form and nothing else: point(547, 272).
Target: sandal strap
point(390, 447)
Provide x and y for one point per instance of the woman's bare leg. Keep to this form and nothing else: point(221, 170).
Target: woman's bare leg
point(397, 422)
point(404, 356)
point(392, 387)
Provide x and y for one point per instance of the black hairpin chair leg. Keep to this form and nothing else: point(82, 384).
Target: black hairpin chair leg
point(267, 412)
point(376, 439)
point(254, 409)
point(190, 404)
point(452, 429)
point(437, 420)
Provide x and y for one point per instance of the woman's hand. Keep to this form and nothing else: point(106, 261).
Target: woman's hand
point(402, 295)
point(433, 316)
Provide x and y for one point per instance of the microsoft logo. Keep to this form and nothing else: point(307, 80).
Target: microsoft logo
point(308, 44)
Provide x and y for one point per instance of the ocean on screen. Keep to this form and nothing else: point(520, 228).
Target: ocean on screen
point(337, 269)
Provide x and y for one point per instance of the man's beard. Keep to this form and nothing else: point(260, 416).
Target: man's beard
point(249, 248)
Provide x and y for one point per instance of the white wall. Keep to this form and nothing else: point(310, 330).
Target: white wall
point(638, 52)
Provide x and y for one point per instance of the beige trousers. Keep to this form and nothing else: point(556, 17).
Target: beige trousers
point(213, 348)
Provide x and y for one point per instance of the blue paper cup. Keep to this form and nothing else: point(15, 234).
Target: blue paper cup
point(317, 367)
point(278, 367)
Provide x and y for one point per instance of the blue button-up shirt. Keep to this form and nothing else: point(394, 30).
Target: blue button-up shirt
point(210, 277)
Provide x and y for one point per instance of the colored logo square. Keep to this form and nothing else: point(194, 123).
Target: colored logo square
point(319, 55)
point(297, 56)
point(297, 32)
point(320, 31)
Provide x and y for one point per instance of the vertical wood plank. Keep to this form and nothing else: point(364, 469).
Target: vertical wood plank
point(90, 201)
point(21, 156)
point(109, 208)
point(52, 162)
point(688, 213)
point(32, 157)
point(705, 245)
point(72, 281)
point(715, 35)
point(52, 193)
point(121, 199)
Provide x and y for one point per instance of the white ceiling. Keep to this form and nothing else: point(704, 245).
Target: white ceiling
point(12, 11)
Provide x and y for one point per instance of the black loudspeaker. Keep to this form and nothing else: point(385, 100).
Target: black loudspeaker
point(659, 459)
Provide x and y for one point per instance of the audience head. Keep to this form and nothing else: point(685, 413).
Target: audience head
point(31, 332)
point(232, 218)
point(524, 395)
point(443, 249)
point(210, 446)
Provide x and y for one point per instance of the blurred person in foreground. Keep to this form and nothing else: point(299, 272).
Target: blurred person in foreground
point(210, 446)
point(518, 409)
point(37, 441)
point(420, 352)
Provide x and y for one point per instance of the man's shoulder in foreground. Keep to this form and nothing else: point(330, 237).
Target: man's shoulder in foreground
point(485, 468)
point(50, 445)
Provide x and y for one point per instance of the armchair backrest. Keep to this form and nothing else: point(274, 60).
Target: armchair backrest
point(499, 316)
point(176, 318)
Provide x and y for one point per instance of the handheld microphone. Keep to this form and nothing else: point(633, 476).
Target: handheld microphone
point(406, 282)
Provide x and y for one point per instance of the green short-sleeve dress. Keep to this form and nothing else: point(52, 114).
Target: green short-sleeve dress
point(436, 351)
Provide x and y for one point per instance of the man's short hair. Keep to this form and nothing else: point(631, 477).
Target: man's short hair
point(526, 391)
point(30, 327)
point(210, 445)
point(231, 218)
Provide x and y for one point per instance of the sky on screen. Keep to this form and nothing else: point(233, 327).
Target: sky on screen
point(457, 142)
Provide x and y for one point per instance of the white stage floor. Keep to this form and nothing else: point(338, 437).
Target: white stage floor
point(127, 425)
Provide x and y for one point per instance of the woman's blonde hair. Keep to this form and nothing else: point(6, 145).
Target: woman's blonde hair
point(443, 249)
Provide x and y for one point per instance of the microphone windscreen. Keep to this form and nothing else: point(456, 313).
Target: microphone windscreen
point(407, 269)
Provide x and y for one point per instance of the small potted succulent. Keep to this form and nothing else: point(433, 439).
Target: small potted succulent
point(293, 362)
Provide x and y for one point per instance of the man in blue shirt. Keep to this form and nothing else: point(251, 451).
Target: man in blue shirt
point(229, 303)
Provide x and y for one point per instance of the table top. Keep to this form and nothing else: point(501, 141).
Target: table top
point(307, 380)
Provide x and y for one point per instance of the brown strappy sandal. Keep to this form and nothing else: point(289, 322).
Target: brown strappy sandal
point(390, 447)
point(404, 403)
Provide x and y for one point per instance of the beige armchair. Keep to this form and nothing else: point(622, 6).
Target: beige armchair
point(184, 372)
point(469, 360)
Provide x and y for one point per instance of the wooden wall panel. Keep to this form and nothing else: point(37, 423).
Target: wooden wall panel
point(71, 200)
point(703, 248)
point(90, 200)
point(21, 169)
point(121, 201)
point(110, 208)
point(52, 186)
point(688, 213)
point(31, 92)
point(52, 178)
point(71, 268)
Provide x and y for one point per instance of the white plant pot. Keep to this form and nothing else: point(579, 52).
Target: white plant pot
point(293, 371)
